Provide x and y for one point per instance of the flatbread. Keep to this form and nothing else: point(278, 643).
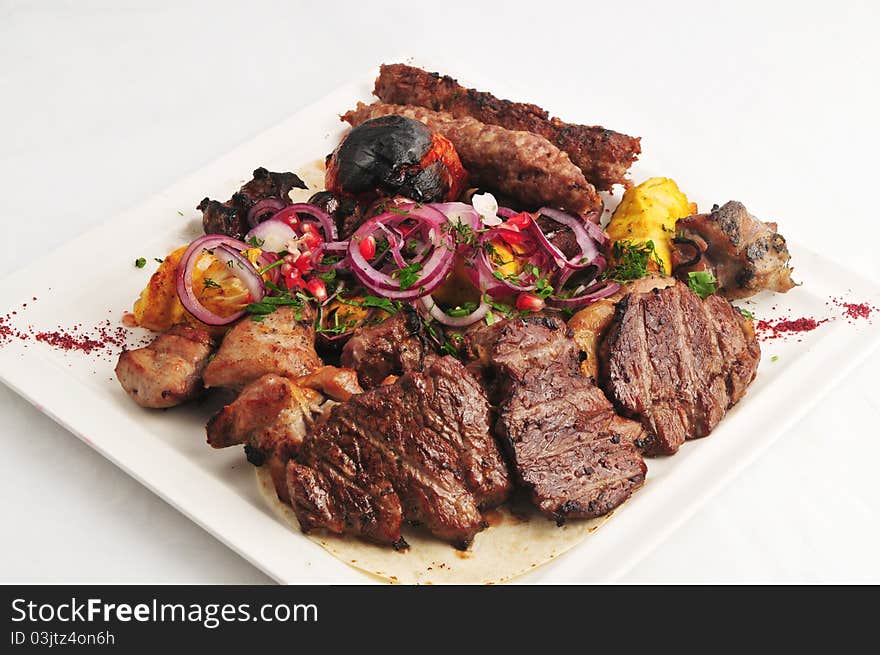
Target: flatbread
point(513, 544)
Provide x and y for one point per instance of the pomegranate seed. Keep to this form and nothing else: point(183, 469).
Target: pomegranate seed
point(311, 239)
point(317, 288)
point(304, 263)
point(291, 220)
point(286, 267)
point(368, 248)
point(529, 302)
point(520, 220)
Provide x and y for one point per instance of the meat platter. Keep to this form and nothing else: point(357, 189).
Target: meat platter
point(477, 360)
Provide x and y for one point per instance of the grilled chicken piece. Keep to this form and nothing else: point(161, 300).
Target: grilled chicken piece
point(270, 417)
point(230, 217)
point(589, 324)
point(168, 372)
point(337, 383)
point(283, 343)
point(744, 254)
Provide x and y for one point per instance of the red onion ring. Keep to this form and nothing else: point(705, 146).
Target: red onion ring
point(266, 206)
point(453, 321)
point(226, 249)
point(590, 295)
point(324, 219)
point(334, 247)
point(435, 267)
point(586, 242)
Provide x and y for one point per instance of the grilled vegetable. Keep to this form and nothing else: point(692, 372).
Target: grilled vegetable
point(648, 212)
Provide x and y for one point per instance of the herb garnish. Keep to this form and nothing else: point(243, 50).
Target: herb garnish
point(256, 242)
point(701, 283)
point(210, 284)
point(140, 262)
point(408, 275)
point(746, 313)
point(632, 260)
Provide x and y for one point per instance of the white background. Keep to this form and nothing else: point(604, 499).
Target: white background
point(776, 104)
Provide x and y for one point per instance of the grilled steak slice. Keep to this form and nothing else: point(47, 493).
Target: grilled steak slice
point(744, 254)
point(677, 363)
point(569, 448)
point(283, 343)
point(419, 449)
point(523, 165)
point(395, 346)
point(603, 155)
point(501, 354)
point(168, 372)
point(270, 418)
point(230, 217)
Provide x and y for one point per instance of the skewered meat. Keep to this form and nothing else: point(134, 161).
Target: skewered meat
point(744, 254)
point(525, 166)
point(168, 372)
point(577, 458)
point(394, 155)
point(590, 323)
point(419, 449)
point(603, 155)
point(230, 217)
point(271, 417)
point(283, 343)
point(677, 363)
point(395, 346)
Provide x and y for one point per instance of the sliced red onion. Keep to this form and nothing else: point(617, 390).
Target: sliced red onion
point(434, 269)
point(264, 209)
point(273, 234)
point(332, 248)
point(589, 250)
point(590, 295)
point(225, 249)
point(453, 321)
point(324, 219)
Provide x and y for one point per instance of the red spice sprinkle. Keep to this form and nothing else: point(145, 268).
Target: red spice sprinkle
point(855, 310)
point(66, 341)
point(771, 330)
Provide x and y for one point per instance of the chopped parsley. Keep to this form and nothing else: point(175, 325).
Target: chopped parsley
point(140, 262)
point(465, 309)
point(210, 284)
point(270, 303)
point(408, 275)
point(775, 358)
point(180, 213)
point(746, 313)
point(461, 232)
point(256, 242)
point(701, 283)
point(632, 260)
point(161, 261)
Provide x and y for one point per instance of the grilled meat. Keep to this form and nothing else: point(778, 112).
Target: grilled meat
point(337, 383)
point(283, 343)
point(419, 449)
point(744, 254)
point(603, 155)
point(589, 324)
point(395, 346)
point(677, 363)
point(346, 212)
point(270, 417)
point(230, 217)
point(168, 372)
point(525, 166)
point(576, 457)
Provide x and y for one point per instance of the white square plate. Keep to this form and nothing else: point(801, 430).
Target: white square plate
point(166, 451)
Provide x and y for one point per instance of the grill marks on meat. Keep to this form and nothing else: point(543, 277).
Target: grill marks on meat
point(603, 155)
point(283, 343)
point(525, 166)
point(395, 346)
point(677, 363)
point(270, 417)
point(568, 447)
point(168, 372)
point(418, 450)
point(230, 217)
point(744, 254)
point(571, 449)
